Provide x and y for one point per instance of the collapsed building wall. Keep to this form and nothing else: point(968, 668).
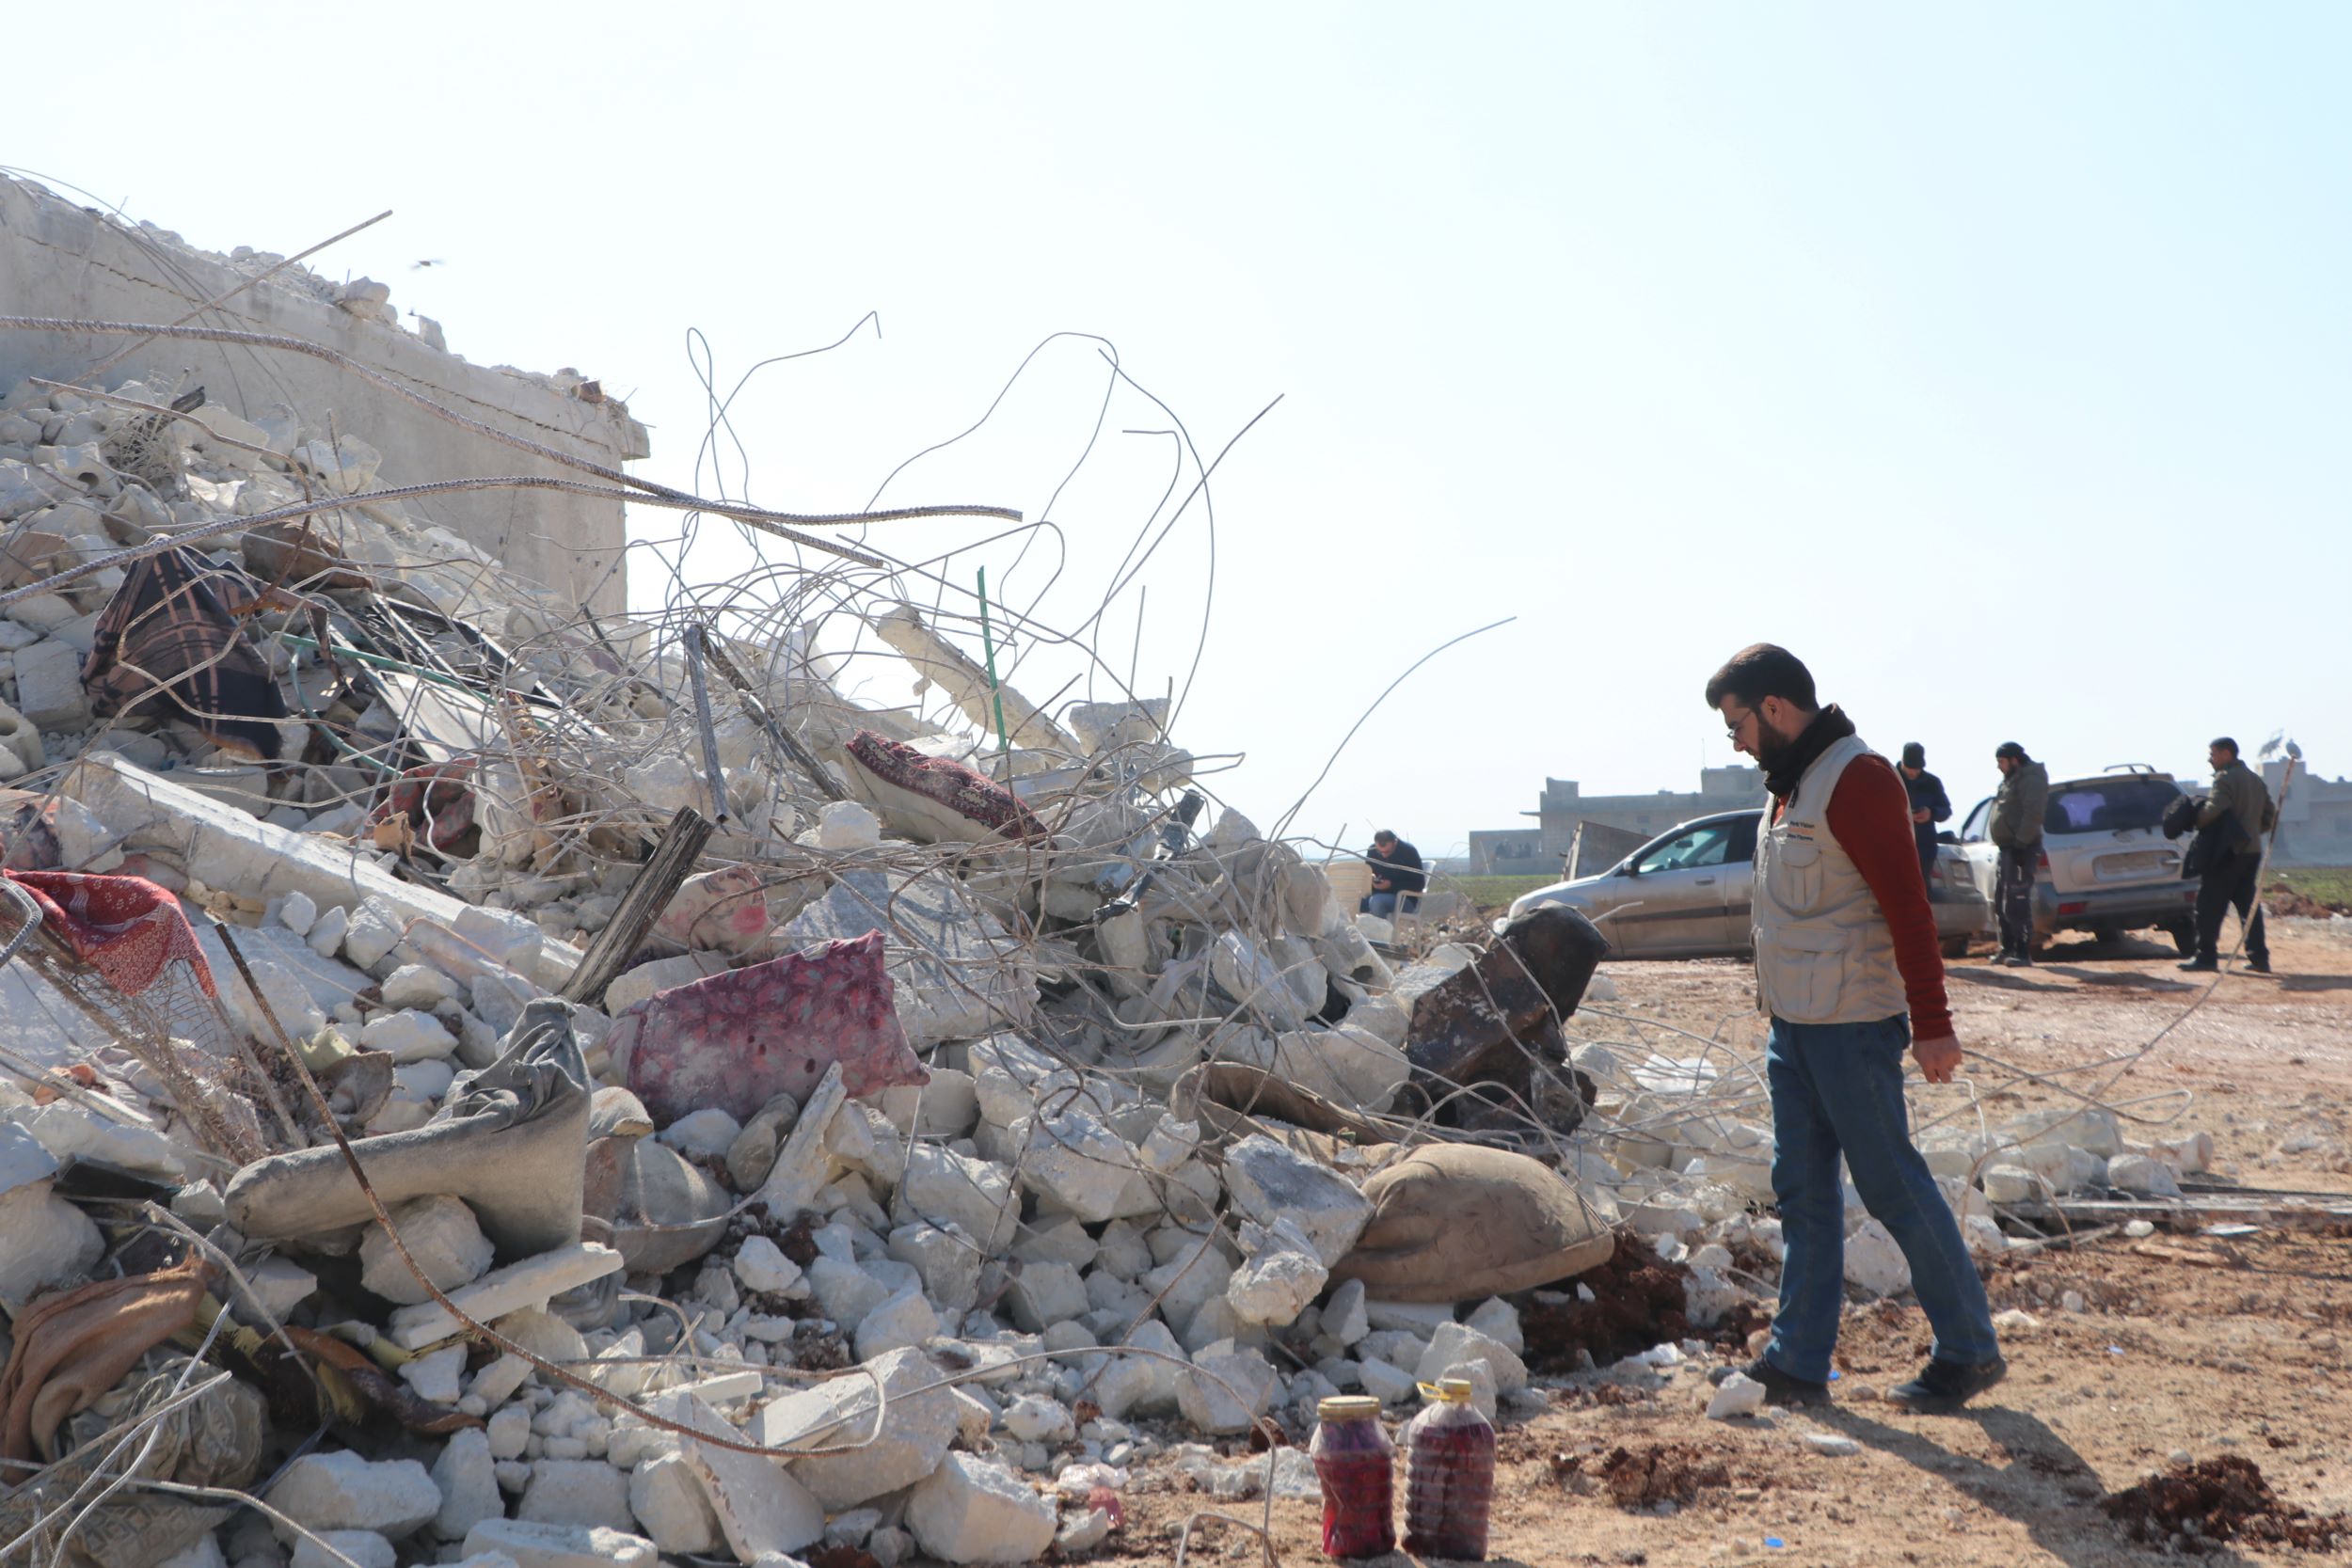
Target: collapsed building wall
point(61, 261)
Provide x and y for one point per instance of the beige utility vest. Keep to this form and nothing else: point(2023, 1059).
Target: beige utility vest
point(1823, 952)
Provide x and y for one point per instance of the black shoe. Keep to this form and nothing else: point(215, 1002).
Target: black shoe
point(2258, 966)
point(1779, 1388)
point(2200, 966)
point(1944, 1387)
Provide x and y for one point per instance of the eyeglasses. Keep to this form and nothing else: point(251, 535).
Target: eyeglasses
point(1732, 733)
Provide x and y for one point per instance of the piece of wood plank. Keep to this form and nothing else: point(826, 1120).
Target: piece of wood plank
point(657, 883)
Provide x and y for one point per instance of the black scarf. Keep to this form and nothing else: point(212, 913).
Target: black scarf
point(1829, 726)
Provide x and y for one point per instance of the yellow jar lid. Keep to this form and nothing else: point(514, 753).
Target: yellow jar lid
point(1348, 1407)
point(1453, 1390)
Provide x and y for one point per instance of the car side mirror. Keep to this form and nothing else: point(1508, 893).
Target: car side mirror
point(1630, 870)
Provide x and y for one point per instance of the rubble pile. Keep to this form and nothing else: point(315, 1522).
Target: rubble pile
point(484, 1084)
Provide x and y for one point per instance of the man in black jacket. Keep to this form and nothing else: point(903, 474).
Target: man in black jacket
point(1929, 806)
point(1397, 876)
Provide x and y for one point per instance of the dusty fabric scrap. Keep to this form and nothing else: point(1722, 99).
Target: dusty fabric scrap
point(75, 1345)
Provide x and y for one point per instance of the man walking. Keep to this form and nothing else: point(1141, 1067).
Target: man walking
point(2239, 815)
point(1847, 967)
point(2016, 831)
point(1928, 804)
point(1397, 876)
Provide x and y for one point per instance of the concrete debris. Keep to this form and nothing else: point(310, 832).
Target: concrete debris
point(943, 1112)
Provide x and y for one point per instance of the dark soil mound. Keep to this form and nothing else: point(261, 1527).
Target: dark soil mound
point(2215, 1500)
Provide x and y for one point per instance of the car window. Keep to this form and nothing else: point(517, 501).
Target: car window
point(2108, 805)
point(1743, 844)
point(1708, 846)
point(1973, 830)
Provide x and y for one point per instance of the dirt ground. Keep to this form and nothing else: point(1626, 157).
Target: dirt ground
point(2185, 1342)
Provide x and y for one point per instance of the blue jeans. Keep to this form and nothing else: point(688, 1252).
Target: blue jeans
point(1384, 904)
point(1839, 1088)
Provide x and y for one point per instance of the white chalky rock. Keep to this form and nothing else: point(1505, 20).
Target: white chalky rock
point(1832, 1443)
point(340, 1548)
point(845, 824)
point(1141, 1383)
point(1191, 1280)
point(1044, 1294)
point(706, 1132)
point(1275, 1286)
point(417, 985)
point(1499, 1320)
point(1035, 1418)
point(917, 1425)
point(667, 1498)
point(516, 1290)
point(762, 1266)
point(2189, 1154)
point(576, 1492)
point(436, 1376)
point(539, 1546)
point(945, 1258)
point(2137, 1173)
point(845, 1292)
point(409, 1036)
point(342, 1491)
point(948, 1188)
point(1481, 1377)
point(1082, 1533)
point(1874, 1263)
point(44, 1241)
point(973, 1509)
point(69, 1132)
point(1389, 1384)
point(906, 1320)
point(2087, 1127)
point(1009, 1077)
point(509, 1431)
point(760, 1506)
point(1454, 1342)
point(1737, 1395)
point(2011, 1184)
point(298, 911)
point(372, 931)
point(469, 1492)
point(1077, 1161)
point(1223, 1391)
point(1269, 1182)
point(444, 1238)
point(1983, 1237)
point(325, 935)
point(1343, 1315)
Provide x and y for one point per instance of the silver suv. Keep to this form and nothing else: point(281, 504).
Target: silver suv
point(1685, 893)
point(2106, 867)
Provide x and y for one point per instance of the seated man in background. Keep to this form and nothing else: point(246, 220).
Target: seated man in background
point(1397, 876)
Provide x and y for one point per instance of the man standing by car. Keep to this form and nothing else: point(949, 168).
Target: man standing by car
point(1846, 968)
point(1928, 804)
point(1396, 875)
point(2016, 831)
point(2239, 815)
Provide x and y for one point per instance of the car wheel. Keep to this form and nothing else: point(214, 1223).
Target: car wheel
point(1955, 947)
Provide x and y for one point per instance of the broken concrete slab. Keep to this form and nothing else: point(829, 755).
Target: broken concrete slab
point(957, 972)
point(529, 1283)
point(974, 1510)
point(914, 1432)
point(1269, 1182)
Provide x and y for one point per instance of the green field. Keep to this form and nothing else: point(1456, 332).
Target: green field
point(2331, 885)
point(1492, 892)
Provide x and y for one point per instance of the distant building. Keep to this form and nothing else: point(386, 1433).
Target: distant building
point(1540, 849)
point(2315, 824)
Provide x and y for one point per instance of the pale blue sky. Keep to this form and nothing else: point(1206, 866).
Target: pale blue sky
point(1996, 358)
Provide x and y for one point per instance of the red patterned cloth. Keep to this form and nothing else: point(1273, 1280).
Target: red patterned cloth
point(126, 927)
point(965, 794)
point(737, 1040)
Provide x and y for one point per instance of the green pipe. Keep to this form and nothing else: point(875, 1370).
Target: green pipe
point(988, 646)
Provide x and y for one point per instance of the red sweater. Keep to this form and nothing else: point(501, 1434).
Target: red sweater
point(1870, 816)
